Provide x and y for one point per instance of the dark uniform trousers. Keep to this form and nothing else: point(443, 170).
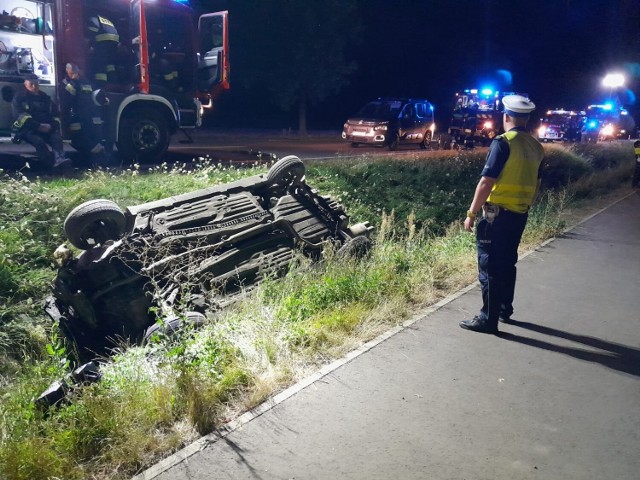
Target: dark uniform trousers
point(40, 141)
point(497, 245)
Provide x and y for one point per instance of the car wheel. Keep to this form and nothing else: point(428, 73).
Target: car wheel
point(356, 247)
point(172, 325)
point(426, 140)
point(286, 171)
point(93, 223)
point(144, 136)
point(394, 141)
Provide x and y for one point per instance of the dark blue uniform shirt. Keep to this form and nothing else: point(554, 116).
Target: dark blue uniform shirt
point(498, 156)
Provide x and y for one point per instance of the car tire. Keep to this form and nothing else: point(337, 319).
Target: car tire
point(426, 140)
point(93, 223)
point(394, 141)
point(173, 325)
point(286, 171)
point(356, 247)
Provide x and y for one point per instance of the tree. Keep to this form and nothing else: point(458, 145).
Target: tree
point(295, 51)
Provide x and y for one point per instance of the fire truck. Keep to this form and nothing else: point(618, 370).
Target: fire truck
point(477, 116)
point(561, 125)
point(606, 122)
point(170, 65)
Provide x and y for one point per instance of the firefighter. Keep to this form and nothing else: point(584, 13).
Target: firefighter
point(37, 122)
point(81, 113)
point(163, 72)
point(635, 181)
point(103, 40)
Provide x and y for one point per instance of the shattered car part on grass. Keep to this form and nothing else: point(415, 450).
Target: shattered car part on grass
point(200, 250)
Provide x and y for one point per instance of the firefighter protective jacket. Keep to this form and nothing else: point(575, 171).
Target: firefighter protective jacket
point(30, 110)
point(81, 108)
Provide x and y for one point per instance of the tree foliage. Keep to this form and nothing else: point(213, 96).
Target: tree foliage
point(296, 51)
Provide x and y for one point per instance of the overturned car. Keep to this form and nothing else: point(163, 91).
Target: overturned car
point(196, 252)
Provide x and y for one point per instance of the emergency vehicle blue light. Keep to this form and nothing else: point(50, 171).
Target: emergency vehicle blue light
point(593, 124)
point(608, 106)
point(185, 2)
point(487, 91)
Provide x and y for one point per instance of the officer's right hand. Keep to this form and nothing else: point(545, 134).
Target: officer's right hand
point(469, 223)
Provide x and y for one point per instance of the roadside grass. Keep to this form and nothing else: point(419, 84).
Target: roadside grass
point(156, 398)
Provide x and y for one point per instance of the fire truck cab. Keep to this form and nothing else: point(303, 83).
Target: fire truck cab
point(169, 65)
point(607, 122)
point(561, 125)
point(477, 116)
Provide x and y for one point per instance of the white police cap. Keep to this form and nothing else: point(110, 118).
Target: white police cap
point(517, 105)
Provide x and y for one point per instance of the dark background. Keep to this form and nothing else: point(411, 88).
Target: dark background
point(557, 51)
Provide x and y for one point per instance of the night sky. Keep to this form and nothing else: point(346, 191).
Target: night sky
point(557, 51)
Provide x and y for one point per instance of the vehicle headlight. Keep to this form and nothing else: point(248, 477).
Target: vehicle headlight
point(379, 128)
point(542, 130)
point(607, 130)
point(345, 126)
point(487, 125)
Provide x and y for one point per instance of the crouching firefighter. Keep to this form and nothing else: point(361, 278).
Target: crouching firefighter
point(37, 122)
point(82, 115)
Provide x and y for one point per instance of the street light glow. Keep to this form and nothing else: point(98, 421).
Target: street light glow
point(613, 80)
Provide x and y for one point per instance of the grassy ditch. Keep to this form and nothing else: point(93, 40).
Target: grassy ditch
point(154, 399)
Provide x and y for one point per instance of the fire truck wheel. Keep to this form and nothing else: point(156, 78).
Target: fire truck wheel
point(426, 140)
point(93, 223)
point(144, 136)
point(286, 171)
point(394, 141)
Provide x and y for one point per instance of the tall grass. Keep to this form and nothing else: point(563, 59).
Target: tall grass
point(155, 398)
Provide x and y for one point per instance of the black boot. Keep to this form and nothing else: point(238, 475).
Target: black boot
point(478, 324)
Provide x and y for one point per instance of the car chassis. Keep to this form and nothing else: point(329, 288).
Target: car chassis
point(197, 253)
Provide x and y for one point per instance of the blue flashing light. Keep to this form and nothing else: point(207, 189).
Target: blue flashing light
point(487, 91)
point(608, 106)
point(593, 124)
point(184, 2)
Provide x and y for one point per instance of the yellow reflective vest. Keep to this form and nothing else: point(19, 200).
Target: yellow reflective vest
point(515, 187)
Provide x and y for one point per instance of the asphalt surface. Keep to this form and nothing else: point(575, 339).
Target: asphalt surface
point(233, 146)
point(556, 395)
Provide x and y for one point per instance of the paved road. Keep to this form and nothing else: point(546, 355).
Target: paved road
point(231, 146)
point(555, 396)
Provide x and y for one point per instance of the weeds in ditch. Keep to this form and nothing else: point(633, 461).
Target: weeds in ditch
point(153, 399)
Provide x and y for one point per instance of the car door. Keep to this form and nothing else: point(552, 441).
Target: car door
point(425, 124)
point(409, 124)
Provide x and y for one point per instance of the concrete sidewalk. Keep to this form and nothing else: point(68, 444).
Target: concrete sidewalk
point(555, 396)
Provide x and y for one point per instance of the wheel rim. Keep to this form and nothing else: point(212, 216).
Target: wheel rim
point(146, 136)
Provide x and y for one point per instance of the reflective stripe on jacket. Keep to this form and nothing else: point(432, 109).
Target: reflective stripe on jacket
point(515, 188)
point(104, 30)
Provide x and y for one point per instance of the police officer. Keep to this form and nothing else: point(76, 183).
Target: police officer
point(37, 122)
point(507, 188)
point(635, 181)
point(103, 39)
point(81, 113)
